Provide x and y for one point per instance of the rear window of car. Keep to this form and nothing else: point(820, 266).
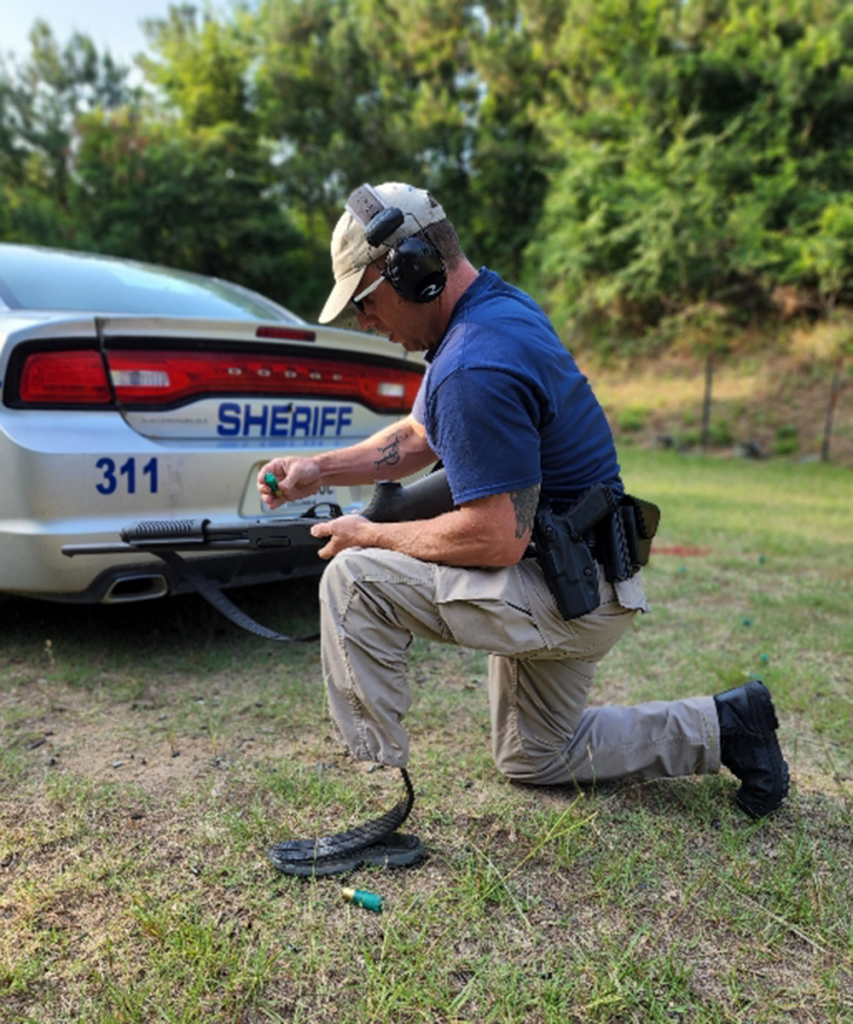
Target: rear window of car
point(45, 279)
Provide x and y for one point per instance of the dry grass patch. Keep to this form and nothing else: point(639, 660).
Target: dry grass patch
point(778, 400)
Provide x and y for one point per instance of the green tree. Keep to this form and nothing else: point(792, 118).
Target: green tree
point(191, 198)
point(353, 90)
point(40, 99)
point(88, 163)
point(703, 143)
point(430, 91)
point(510, 159)
point(202, 66)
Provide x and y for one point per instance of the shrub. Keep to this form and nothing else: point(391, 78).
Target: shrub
point(787, 440)
point(633, 419)
point(720, 433)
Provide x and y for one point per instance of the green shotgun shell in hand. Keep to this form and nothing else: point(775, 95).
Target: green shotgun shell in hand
point(272, 483)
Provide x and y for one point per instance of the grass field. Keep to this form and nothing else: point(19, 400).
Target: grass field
point(150, 753)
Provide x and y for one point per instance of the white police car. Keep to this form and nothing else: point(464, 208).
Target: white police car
point(131, 391)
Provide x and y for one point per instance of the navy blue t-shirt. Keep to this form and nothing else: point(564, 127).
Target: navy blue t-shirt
point(505, 406)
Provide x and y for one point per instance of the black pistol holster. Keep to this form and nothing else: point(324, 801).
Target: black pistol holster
point(614, 530)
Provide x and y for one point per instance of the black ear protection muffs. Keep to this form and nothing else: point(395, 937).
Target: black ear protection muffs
point(416, 270)
point(414, 266)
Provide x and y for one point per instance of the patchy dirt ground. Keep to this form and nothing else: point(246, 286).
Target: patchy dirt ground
point(151, 744)
point(149, 740)
point(133, 874)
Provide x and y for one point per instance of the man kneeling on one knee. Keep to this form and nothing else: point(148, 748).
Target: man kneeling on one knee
point(517, 428)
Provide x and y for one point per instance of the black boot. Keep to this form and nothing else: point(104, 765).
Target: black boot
point(749, 748)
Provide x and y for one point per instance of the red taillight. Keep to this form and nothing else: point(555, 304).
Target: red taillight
point(162, 378)
point(286, 333)
point(64, 378)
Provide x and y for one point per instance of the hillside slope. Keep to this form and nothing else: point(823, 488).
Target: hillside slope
point(772, 404)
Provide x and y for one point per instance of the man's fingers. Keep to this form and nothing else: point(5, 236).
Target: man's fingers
point(324, 530)
point(344, 532)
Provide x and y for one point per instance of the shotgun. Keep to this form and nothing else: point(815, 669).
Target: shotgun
point(166, 538)
point(391, 502)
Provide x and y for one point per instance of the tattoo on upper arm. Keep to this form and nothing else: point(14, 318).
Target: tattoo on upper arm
point(525, 503)
point(390, 453)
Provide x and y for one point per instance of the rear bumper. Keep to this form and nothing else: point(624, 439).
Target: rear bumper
point(149, 579)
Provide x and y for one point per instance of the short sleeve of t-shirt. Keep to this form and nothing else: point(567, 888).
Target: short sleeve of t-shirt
point(505, 406)
point(485, 422)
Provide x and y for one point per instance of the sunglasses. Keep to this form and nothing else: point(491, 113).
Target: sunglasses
point(358, 300)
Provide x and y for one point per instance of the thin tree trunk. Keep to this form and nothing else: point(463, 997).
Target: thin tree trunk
point(834, 392)
point(706, 401)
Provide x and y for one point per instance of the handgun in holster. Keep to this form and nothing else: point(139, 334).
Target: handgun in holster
point(615, 531)
point(567, 561)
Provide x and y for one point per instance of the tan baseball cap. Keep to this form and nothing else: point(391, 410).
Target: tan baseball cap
point(351, 254)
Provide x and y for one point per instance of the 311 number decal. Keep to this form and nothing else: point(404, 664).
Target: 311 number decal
point(126, 476)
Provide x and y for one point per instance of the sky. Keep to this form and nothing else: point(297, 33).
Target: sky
point(112, 25)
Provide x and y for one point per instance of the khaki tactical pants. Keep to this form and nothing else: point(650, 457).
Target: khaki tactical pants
point(541, 669)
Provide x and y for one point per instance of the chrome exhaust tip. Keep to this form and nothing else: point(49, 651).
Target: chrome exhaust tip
point(138, 587)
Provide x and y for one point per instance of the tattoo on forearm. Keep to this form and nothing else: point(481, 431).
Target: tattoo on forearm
point(391, 452)
point(525, 503)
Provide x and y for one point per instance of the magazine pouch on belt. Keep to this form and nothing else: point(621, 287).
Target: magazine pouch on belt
point(622, 542)
point(640, 521)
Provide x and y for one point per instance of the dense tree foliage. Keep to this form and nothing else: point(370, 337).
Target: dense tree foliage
point(40, 99)
point(706, 159)
point(637, 164)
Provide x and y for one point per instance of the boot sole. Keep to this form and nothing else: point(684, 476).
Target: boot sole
point(761, 704)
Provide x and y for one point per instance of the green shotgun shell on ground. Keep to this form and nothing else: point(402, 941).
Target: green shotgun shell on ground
point(363, 898)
